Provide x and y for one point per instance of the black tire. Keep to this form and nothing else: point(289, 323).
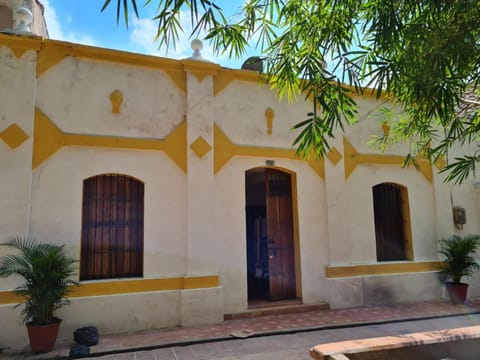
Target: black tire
point(87, 335)
point(78, 351)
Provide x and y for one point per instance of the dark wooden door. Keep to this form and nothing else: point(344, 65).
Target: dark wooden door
point(281, 260)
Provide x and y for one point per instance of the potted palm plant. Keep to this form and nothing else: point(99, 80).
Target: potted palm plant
point(46, 271)
point(460, 261)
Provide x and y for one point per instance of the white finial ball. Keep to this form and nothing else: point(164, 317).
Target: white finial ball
point(24, 16)
point(23, 19)
point(196, 45)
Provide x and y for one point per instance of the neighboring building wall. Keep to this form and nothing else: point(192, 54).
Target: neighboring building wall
point(39, 25)
point(7, 15)
point(189, 131)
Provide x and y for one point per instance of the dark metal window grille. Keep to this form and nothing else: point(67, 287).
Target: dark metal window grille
point(112, 227)
point(389, 222)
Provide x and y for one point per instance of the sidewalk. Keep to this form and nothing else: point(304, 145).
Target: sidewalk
point(266, 326)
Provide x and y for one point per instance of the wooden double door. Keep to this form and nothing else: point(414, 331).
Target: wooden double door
point(270, 240)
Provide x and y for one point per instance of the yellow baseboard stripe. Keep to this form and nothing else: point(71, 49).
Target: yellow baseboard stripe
point(119, 287)
point(382, 269)
point(9, 297)
point(200, 282)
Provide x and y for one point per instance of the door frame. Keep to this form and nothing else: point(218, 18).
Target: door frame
point(296, 236)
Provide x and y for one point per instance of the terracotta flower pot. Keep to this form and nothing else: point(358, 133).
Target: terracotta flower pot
point(43, 337)
point(457, 292)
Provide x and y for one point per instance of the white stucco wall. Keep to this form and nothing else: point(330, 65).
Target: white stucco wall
point(200, 249)
point(75, 94)
point(56, 212)
point(231, 228)
point(195, 222)
point(17, 90)
point(240, 113)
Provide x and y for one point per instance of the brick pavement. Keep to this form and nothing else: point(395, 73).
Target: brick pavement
point(294, 346)
point(268, 325)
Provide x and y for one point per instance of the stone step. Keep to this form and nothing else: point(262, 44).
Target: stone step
point(275, 308)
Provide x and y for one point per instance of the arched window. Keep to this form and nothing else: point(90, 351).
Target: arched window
point(112, 227)
point(392, 222)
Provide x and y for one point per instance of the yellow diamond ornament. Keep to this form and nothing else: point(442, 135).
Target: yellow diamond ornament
point(200, 147)
point(13, 136)
point(334, 156)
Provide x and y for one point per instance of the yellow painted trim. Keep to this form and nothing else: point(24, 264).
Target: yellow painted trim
point(116, 98)
point(48, 139)
point(334, 156)
point(382, 269)
point(200, 282)
point(200, 69)
point(9, 297)
point(441, 163)
point(225, 76)
point(51, 54)
point(269, 116)
point(53, 51)
point(128, 287)
point(354, 158)
point(369, 93)
point(13, 136)
point(386, 128)
point(125, 287)
point(296, 235)
point(407, 228)
point(200, 147)
point(20, 44)
point(225, 150)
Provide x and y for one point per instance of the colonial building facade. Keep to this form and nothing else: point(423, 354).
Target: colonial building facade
point(175, 184)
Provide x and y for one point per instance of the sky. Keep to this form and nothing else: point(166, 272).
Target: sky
point(81, 21)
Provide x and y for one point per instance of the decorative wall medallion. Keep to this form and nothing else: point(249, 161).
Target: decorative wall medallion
point(386, 128)
point(13, 136)
point(269, 115)
point(200, 147)
point(441, 163)
point(116, 98)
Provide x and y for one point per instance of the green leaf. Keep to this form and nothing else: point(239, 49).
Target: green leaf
point(47, 273)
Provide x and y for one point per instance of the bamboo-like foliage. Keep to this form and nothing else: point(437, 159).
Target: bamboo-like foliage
point(423, 54)
point(46, 271)
point(459, 253)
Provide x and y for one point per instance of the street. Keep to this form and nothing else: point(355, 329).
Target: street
point(290, 346)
